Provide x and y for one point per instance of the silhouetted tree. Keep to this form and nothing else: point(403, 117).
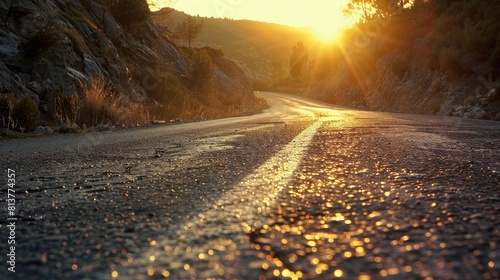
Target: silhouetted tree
point(364, 8)
point(298, 60)
point(373, 9)
point(189, 29)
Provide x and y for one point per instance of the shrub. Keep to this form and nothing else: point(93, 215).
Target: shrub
point(472, 38)
point(98, 105)
point(449, 60)
point(64, 108)
point(201, 73)
point(130, 12)
point(167, 88)
point(7, 103)
point(475, 43)
point(21, 114)
point(26, 112)
point(400, 66)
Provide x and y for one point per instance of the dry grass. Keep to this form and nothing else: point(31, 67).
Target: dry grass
point(18, 114)
point(98, 105)
point(188, 106)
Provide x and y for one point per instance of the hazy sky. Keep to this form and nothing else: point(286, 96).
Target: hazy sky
point(317, 14)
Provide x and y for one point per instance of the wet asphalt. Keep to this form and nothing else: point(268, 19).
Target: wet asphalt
point(304, 190)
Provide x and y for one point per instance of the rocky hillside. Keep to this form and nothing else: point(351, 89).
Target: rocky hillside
point(417, 89)
point(58, 48)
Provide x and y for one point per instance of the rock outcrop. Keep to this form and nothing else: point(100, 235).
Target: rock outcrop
point(57, 46)
point(414, 88)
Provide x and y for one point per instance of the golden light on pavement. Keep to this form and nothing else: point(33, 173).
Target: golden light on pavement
point(165, 273)
point(151, 271)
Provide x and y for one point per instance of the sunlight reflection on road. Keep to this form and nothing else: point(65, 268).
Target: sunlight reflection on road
point(218, 235)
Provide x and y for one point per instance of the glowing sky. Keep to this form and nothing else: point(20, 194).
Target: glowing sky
point(325, 17)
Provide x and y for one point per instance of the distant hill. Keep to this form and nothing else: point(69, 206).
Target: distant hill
point(253, 45)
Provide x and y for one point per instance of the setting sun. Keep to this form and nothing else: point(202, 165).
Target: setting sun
point(327, 20)
point(327, 33)
point(331, 29)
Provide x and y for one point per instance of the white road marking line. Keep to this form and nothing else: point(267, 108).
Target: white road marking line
point(224, 223)
point(260, 188)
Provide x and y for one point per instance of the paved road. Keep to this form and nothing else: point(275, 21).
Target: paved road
point(304, 190)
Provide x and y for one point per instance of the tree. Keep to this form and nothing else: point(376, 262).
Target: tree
point(363, 8)
point(189, 29)
point(298, 60)
point(368, 10)
point(278, 71)
point(201, 73)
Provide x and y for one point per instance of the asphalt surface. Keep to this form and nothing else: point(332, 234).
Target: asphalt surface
point(304, 190)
